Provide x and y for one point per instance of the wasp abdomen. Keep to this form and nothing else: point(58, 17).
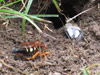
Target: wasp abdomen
point(25, 50)
point(29, 50)
point(19, 50)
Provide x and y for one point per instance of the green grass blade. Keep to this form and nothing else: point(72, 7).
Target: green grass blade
point(10, 17)
point(34, 16)
point(1, 0)
point(84, 71)
point(89, 68)
point(9, 4)
point(46, 15)
point(22, 15)
point(56, 5)
point(40, 19)
point(23, 26)
point(26, 11)
point(28, 6)
point(98, 73)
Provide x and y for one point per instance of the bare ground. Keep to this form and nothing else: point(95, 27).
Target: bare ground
point(67, 57)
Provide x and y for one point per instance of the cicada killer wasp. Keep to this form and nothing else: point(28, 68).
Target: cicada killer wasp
point(34, 48)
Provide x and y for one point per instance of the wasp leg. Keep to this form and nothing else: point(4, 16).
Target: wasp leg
point(19, 54)
point(30, 58)
point(44, 54)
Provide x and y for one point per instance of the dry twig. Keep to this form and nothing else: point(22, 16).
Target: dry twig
point(79, 14)
point(11, 67)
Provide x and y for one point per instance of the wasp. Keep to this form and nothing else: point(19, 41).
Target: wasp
point(37, 48)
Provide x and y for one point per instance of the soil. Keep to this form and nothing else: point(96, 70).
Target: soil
point(68, 57)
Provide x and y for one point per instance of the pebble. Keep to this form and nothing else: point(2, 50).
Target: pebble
point(55, 73)
point(50, 73)
point(31, 74)
point(35, 73)
point(0, 66)
point(73, 31)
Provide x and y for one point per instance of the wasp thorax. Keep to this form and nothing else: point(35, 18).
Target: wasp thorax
point(73, 32)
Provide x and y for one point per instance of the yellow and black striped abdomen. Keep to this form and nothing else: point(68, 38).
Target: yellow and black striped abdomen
point(30, 50)
point(25, 50)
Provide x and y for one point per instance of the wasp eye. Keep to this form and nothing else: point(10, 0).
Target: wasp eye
point(73, 32)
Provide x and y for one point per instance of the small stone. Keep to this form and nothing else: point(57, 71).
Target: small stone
point(56, 73)
point(6, 57)
point(29, 32)
point(0, 66)
point(50, 73)
point(31, 74)
point(91, 52)
point(73, 31)
point(35, 73)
